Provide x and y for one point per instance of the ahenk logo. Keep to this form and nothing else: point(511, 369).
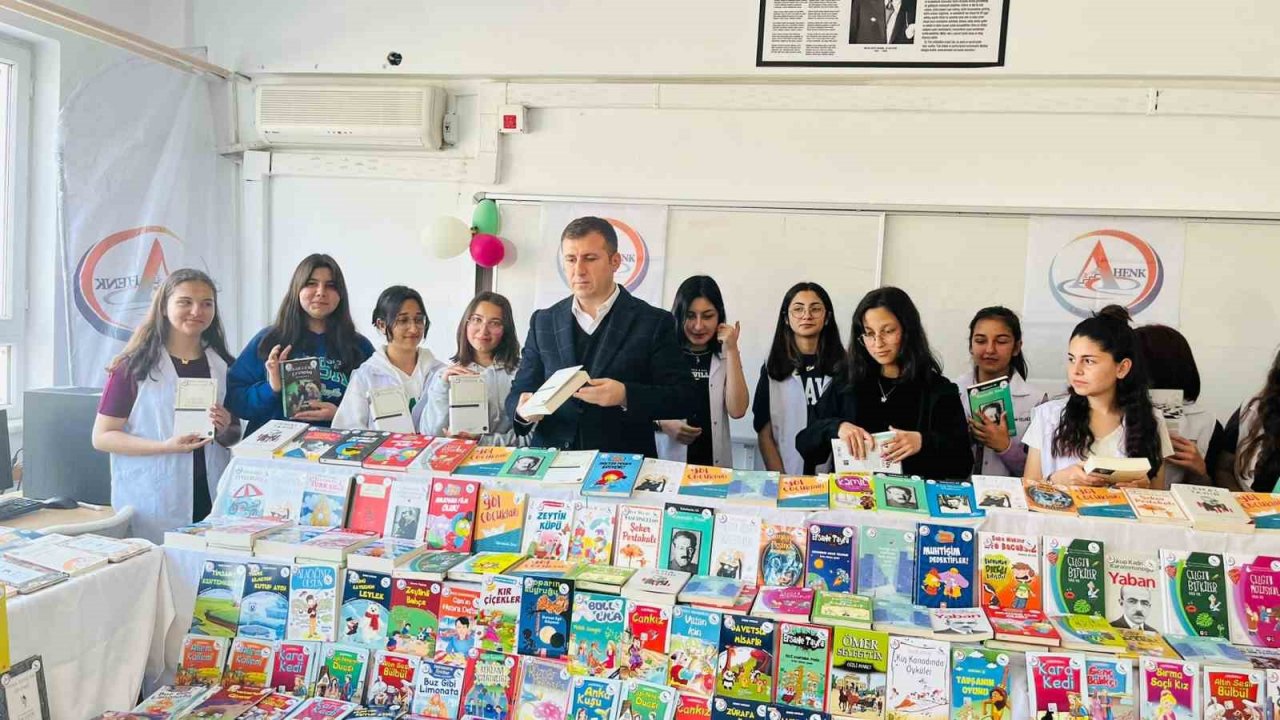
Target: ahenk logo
point(111, 292)
point(1106, 267)
point(635, 257)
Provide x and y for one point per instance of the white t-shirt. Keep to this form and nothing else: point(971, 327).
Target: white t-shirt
point(1044, 423)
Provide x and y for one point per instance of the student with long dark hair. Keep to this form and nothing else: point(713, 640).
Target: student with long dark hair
point(314, 320)
point(1250, 460)
point(710, 345)
point(488, 347)
point(995, 351)
point(401, 317)
point(805, 355)
point(1107, 411)
point(168, 479)
point(1197, 439)
point(893, 383)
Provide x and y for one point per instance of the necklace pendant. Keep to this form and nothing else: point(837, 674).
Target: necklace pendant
point(884, 398)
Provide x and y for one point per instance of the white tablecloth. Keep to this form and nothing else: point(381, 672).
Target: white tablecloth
point(95, 634)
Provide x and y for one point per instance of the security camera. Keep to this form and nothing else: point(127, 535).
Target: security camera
point(394, 58)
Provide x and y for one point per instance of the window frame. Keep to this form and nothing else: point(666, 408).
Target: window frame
point(14, 235)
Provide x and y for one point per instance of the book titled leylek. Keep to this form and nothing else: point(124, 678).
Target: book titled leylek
point(300, 385)
point(554, 392)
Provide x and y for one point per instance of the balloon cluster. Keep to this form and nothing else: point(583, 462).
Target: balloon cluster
point(448, 236)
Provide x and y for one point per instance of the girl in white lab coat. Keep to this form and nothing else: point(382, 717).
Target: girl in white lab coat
point(168, 479)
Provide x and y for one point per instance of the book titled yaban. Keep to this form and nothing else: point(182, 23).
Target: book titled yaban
point(554, 392)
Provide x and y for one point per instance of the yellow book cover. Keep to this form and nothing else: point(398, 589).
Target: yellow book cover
point(4, 633)
point(706, 481)
point(499, 520)
point(851, 491)
point(1259, 504)
point(802, 492)
point(1101, 501)
point(485, 460)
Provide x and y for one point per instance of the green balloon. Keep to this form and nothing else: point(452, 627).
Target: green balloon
point(485, 218)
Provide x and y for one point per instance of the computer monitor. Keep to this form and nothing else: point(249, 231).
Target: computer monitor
point(57, 446)
point(6, 453)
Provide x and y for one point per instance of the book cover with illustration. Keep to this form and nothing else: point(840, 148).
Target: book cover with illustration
point(1027, 627)
point(484, 461)
point(311, 445)
point(1009, 571)
point(591, 534)
point(1049, 499)
point(296, 666)
point(1253, 592)
point(993, 401)
point(342, 672)
point(366, 608)
point(644, 643)
point(438, 692)
point(499, 612)
point(918, 679)
point(693, 647)
point(659, 477)
point(397, 453)
point(1231, 693)
point(727, 708)
point(1107, 502)
point(686, 538)
point(201, 660)
point(886, 562)
point(745, 664)
point(546, 527)
point(264, 604)
point(319, 708)
point(856, 681)
point(370, 501)
point(735, 549)
point(415, 616)
point(499, 520)
point(851, 491)
point(1133, 591)
point(1074, 580)
point(837, 609)
point(804, 654)
point(782, 552)
point(544, 689)
point(248, 485)
point(490, 685)
point(831, 557)
point(545, 607)
point(1109, 683)
point(230, 701)
point(692, 707)
point(354, 448)
point(612, 475)
point(999, 493)
point(407, 510)
point(979, 683)
point(300, 384)
point(324, 501)
point(1169, 689)
point(444, 455)
point(263, 442)
point(802, 492)
point(595, 634)
point(392, 678)
point(593, 698)
point(900, 493)
point(218, 595)
point(951, 500)
point(706, 481)
point(170, 701)
point(1055, 685)
point(944, 566)
point(637, 536)
point(1155, 506)
point(458, 634)
point(1194, 586)
point(647, 701)
point(451, 514)
point(313, 603)
point(528, 464)
point(757, 488)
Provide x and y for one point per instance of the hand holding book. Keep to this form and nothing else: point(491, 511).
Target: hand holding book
point(903, 445)
point(274, 358)
point(991, 433)
point(680, 431)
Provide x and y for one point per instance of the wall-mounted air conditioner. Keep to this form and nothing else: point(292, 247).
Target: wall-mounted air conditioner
point(351, 115)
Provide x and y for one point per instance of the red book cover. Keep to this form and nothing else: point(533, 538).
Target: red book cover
point(693, 707)
point(392, 680)
point(489, 689)
point(397, 452)
point(369, 504)
point(1027, 626)
point(451, 514)
point(447, 456)
point(650, 624)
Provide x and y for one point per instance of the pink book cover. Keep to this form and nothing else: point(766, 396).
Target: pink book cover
point(1256, 595)
point(786, 600)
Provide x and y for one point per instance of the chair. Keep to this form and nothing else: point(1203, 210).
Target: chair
point(116, 526)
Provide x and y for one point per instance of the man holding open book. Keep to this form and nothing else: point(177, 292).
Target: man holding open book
point(634, 372)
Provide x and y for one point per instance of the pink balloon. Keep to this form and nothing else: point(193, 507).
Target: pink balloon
point(487, 250)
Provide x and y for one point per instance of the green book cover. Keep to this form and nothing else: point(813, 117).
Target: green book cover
point(900, 493)
point(601, 574)
point(803, 652)
point(859, 663)
point(1195, 590)
point(992, 400)
point(841, 609)
point(647, 701)
point(686, 538)
point(528, 464)
point(1073, 570)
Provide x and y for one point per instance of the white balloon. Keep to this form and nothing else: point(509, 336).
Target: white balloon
point(446, 237)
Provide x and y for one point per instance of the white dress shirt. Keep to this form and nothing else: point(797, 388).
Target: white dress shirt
point(588, 323)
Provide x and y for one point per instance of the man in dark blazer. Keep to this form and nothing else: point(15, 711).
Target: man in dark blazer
point(627, 347)
point(872, 24)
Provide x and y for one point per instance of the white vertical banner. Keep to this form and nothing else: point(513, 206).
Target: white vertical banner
point(642, 242)
point(140, 197)
point(1077, 265)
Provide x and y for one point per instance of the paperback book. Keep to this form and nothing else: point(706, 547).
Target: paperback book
point(499, 520)
point(802, 492)
point(544, 688)
point(998, 493)
point(831, 557)
point(841, 609)
point(735, 549)
point(324, 501)
point(644, 643)
point(300, 384)
point(313, 603)
point(296, 667)
point(1194, 586)
point(490, 685)
point(637, 536)
point(354, 448)
point(612, 475)
point(1233, 692)
point(444, 455)
point(647, 701)
point(951, 500)
point(918, 679)
point(979, 683)
point(528, 464)
point(656, 586)
point(706, 481)
point(1049, 499)
point(499, 613)
point(1133, 593)
point(415, 616)
point(569, 467)
point(457, 637)
point(1211, 508)
point(1169, 689)
point(366, 607)
point(659, 477)
point(370, 500)
point(694, 645)
point(594, 698)
point(397, 453)
point(591, 534)
point(782, 553)
point(804, 654)
point(1073, 568)
point(1008, 571)
point(944, 566)
point(745, 665)
point(484, 461)
point(438, 693)
point(263, 442)
point(686, 539)
point(886, 562)
point(217, 608)
point(857, 675)
point(756, 488)
point(900, 493)
point(264, 606)
point(407, 510)
point(1106, 502)
point(1055, 682)
point(1158, 506)
point(851, 491)
point(1109, 685)
point(342, 673)
point(595, 632)
point(545, 605)
point(451, 514)
point(993, 402)
point(201, 660)
point(311, 445)
point(546, 527)
point(392, 678)
point(784, 602)
point(1253, 590)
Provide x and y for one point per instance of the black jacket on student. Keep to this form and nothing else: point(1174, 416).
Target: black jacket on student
point(930, 407)
point(635, 345)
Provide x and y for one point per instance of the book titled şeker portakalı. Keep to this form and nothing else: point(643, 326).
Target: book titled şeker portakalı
point(992, 401)
point(554, 392)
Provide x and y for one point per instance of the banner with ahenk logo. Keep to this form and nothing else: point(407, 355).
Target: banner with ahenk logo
point(1079, 265)
point(140, 198)
point(642, 242)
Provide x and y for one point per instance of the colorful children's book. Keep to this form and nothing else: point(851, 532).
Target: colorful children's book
point(979, 682)
point(591, 534)
point(217, 609)
point(1208, 650)
point(886, 562)
point(324, 501)
point(804, 654)
point(644, 643)
point(484, 461)
point(851, 491)
point(727, 708)
point(438, 693)
point(803, 492)
point(478, 567)
point(247, 485)
point(655, 586)
point(1157, 506)
point(172, 701)
point(1273, 693)
point(918, 682)
point(1194, 586)
point(263, 442)
point(735, 550)
point(397, 453)
point(264, 606)
point(1169, 689)
point(1262, 508)
point(528, 464)
point(569, 467)
point(431, 565)
point(354, 448)
point(647, 701)
point(605, 579)
point(841, 609)
point(1088, 633)
point(370, 501)
point(595, 633)
point(407, 509)
point(386, 555)
point(612, 475)
point(227, 702)
point(490, 686)
point(1109, 684)
point(951, 500)
point(444, 455)
point(1009, 571)
point(637, 536)
point(296, 666)
point(249, 663)
point(499, 613)
point(745, 666)
point(1073, 569)
point(1107, 502)
point(342, 672)
point(366, 608)
point(545, 607)
point(458, 636)
point(499, 520)
point(711, 590)
point(1253, 592)
point(659, 478)
point(959, 624)
point(1233, 692)
point(782, 551)
point(756, 488)
point(333, 545)
point(944, 566)
point(318, 708)
point(546, 527)
point(999, 493)
point(692, 707)
point(706, 481)
point(451, 514)
point(313, 603)
point(784, 602)
point(1025, 627)
point(201, 660)
point(542, 567)
point(1049, 499)
point(415, 616)
point(831, 557)
point(686, 539)
point(1056, 685)
point(1133, 591)
point(693, 647)
point(594, 698)
point(544, 688)
point(392, 679)
point(900, 493)
point(272, 707)
point(311, 445)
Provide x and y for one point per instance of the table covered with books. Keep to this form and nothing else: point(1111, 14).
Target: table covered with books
point(501, 578)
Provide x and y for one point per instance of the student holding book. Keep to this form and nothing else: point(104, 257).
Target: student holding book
point(401, 317)
point(893, 384)
point(710, 345)
point(169, 479)
point(314, 320)
point(488, 348)
point(1198, 438)
point(805, 355)
point(1250, 460)
point(995, 347)
point(1107, 411)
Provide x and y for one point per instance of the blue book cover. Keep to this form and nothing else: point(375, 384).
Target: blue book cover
point(595, 634)
point(979, 682)
point(1124, 512)
point(711, 590)
point(366, 609)
point(217, 610)
point(545, 608)
point(944, 566)
point(886, 562)
point(612, 475)
point(745, 668)
point(264, 607)
point(693, 645)
point(727, 708)
point(832, 557)
point(754, 487)
point(439, 689)
point(594, 698)
point(952, 500)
